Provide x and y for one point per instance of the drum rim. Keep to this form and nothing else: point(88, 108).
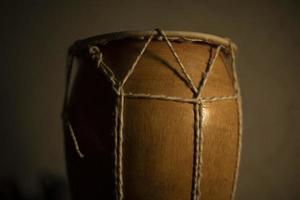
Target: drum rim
point(172, 36)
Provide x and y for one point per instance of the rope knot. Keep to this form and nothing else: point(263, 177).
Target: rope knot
point(96, 54)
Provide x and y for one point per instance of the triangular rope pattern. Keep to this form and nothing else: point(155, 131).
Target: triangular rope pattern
point(187, 77)
point(136, 61)
point(209, 67)
point(198, 110)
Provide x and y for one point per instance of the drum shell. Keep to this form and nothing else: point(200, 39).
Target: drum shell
point(159, 136)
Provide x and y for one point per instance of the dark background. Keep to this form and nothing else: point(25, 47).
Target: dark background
point(35, 36)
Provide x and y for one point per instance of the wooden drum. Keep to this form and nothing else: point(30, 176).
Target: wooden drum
point(152, 115)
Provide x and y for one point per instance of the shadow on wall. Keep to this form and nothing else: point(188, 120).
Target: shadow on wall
point(48, 187)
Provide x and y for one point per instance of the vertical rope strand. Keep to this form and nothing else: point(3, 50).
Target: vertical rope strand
point(200, 157)
point(119, 146)
point(198, 143)
point(198, 147)
point(240, 121)
point(116, 147)
point(196, 153)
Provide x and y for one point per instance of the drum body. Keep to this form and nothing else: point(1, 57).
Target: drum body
point(156, 116)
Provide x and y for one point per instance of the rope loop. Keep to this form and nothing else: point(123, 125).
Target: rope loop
point(96, 54)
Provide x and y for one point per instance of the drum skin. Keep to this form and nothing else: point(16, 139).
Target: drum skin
point(158, 147)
